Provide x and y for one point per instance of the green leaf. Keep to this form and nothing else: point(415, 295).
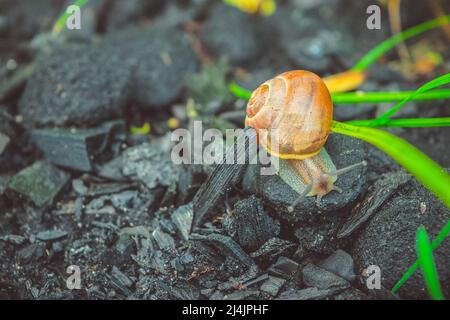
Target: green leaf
point(382, 97)
point(426, 261)
point(442, 235)
point(428, 172)
point(361, 96)
point(437, 82)
point(405, 123)
point(374, 54)
point(239, 92)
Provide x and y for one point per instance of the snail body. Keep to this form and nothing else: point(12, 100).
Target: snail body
point(292, 115)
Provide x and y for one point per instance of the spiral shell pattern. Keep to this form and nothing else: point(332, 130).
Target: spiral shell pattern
point(292, 114)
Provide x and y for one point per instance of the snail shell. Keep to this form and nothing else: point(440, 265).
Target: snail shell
point(292, 114)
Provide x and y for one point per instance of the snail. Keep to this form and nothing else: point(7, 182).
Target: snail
point(292, 115)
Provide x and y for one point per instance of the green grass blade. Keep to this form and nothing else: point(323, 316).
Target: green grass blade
point(405, 123)
point(374, 54)
point(61, 22)
point(444, 233)
point(437, 82)
point(382, 97)
point(239, 92)
point(428, 172)
point(363, 97)
point(426, 261)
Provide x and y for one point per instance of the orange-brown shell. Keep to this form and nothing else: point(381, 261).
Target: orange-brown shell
point(296, 111)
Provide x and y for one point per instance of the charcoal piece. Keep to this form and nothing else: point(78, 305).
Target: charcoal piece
point(341, 264)
point(122, 13)
point(79, 187)
point(150, 165)
point(170, 195)
point(256, 281)
point(73, 148)
point(78, 84)
point(396, 222)
point(273, 285)
point(160, 57)
point(176, 264)
point(191, 177)
point(4, 142)
point(120, 281)
point(182, 218)
point(186, 258)
point(319, 235)
point(231, 34)
point(40, 183)
point(344, 151)
point(305, 294)
point(271, 250)
point(51, 235)
point(374, 199)
point(112, 170)
point(221, 179)
point(249, 225)
point(164, 240)
point(242, 295)
point(32, 252)
point(13, 238)
point(180, 290)
point(285, 268)
point(232, 247)
point(125, 200)
point(322, 279)
point(228, 243)
point(125, 247)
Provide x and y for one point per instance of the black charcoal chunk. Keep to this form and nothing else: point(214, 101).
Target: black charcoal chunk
point(164, 240)
point(182, 218)
point(305, 294)
point(76, 84)
point(79, 187)
point(273, 285)
point(161, 59)
point(222, 178)
point(4, 142)
point(322, 279)
point(271, 250)
point(120, 281)
point(319, 234)
point(388, 241)
point(72, 148)
point(344, 151)
point(285, 268)
point(13, 238)
point(230, 33)
point(242, 295)
point(180, 290)
point(51, 235)
point(32, 252)
point(341, 264)
point(150, 165)
point(40, 183)
point(249, 225)
point(125, 247)
point(378, 193)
